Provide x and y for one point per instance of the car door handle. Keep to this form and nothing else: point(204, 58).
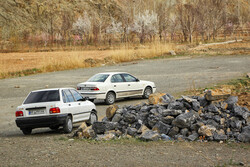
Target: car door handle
point(128, 84)
point(69, 104)
point(79, 103)
point(114, 85)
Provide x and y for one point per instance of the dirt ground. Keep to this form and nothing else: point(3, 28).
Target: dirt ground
point(53, 148)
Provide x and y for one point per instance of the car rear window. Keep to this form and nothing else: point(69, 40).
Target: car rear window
point(43, 96)
point(98, 78)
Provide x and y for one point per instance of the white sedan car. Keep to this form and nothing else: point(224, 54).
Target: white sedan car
point(113, 85)
point(54, 108)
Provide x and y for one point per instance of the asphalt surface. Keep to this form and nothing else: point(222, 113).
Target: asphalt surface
point(170, 75)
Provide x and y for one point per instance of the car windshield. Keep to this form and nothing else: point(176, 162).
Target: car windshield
point(98, 78)
point(43, 96)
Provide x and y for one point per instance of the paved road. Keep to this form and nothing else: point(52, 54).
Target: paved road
point(170, 75)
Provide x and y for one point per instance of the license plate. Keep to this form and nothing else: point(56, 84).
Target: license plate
point(85, 88)
point(36, 112)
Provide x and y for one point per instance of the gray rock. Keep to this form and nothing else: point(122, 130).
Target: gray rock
point(196, 126)
point(212, 108)
point(188, 99)
point(161, 127)
point(176, 105)
point(187, 105)
point(102, 127)
point(173, 131)
point(196, 105)
point(245, 134)
point(129, 117)
point(203, 101)
point(132, 131)
point(193, 137)
point(167, 98)
point(184, 132)
point(241, 111)
point(152, 120)
point(150, 136)
point(231, 101)
point(171, 112)
point(219, 137)
point(185, 120)
point(167, 119)
point(116, 118)
point(105, 119)
point(217, 118)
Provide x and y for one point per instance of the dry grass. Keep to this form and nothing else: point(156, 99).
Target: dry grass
point(19, 64)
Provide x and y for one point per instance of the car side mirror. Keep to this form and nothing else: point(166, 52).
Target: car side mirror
point(137, 80)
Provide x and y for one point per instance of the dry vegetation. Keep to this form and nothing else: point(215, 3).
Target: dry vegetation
point(19, 64)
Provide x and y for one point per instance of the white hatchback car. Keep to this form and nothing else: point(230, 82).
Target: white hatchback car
point(54, 108)
point(113, 85)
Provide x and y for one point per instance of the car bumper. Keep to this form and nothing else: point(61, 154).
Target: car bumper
point(94, 95)
point(154, 89)
point(41, 121)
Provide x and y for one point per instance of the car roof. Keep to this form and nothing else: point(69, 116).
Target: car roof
point(111, 73)
point(51, 89)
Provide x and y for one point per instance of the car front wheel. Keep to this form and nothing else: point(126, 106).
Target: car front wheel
point(110, 98)
point(92, 118)
point(68, 125)
point(148, 91)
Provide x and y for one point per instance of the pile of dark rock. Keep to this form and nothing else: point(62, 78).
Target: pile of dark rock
point(209, 118)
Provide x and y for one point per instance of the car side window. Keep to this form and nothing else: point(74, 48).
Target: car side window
point(76, 95)
point(116, 78)
point(129, 78)
point(69, 95)
point(65, 100)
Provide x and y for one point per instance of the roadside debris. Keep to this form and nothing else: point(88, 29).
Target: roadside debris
point(214, 117)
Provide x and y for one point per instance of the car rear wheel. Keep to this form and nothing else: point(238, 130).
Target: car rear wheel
point(68, 125)
point(148, 91)
point(92, 118)
point(26, 131)
point(110, 98)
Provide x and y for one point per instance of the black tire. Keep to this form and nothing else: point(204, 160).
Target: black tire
point(92, 118)
point(26, 131)
point(148, 91)
point(68, 125)
point(92, 100)
point(110, 98)
point(56, 127)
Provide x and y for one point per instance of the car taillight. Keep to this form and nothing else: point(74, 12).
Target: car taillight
point(19, 113)
point(95, 89)
point(78, 88)
point(54, 110)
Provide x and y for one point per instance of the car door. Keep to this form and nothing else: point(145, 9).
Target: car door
point(83, 107)
point(134, 86)
point(119, 85)
point(71, 102)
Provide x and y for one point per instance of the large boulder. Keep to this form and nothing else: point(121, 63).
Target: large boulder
point(185, 120)
point(217, 94)
point(171, 112)
point(161, 127)
point(88, 133)
point(111, 110)
point(241, 111)
point(207, 130)
point(102, 127)
point(150, 136)
point(155, 98)
point(245, 135)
